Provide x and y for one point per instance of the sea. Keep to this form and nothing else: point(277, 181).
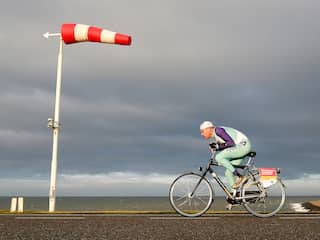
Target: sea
point(124, 203)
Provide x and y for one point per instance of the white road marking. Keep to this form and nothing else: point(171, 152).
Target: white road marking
point(50, 218)
point(308, 217)
point(184, 218)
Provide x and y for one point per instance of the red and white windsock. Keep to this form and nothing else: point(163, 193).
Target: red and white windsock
point(73, 33)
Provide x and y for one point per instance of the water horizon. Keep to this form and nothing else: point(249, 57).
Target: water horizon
point(122, 203)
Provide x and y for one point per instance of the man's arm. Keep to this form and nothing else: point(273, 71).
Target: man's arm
point(221, 132)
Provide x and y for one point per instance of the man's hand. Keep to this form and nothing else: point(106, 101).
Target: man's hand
point(213, 146)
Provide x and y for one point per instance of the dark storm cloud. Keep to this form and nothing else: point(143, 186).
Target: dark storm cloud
point(247, 64)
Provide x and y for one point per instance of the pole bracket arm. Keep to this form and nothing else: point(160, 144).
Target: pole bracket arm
point(53, 124)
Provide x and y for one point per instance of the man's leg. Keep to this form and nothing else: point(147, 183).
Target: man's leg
point(223, 158)
point(230, 178)
point(229, 174)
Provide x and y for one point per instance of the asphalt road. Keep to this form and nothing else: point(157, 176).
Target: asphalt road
point(219, 226)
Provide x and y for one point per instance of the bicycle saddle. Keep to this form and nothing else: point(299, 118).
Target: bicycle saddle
point(250, 154)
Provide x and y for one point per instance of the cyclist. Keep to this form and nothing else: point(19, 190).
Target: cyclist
point(230, 144)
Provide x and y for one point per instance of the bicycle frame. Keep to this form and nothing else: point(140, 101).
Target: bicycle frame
point(218, 180)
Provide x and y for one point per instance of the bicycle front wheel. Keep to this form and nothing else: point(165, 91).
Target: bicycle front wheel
point(263, 202)
point(191, 195)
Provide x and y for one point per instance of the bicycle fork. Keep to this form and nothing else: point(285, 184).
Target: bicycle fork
point(198, 183)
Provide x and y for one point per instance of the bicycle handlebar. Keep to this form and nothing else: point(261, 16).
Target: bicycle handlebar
point(212, 150)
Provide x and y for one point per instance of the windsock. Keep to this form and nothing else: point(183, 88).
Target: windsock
point(74, 33)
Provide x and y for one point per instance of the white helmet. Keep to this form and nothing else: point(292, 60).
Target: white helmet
point(206, 124)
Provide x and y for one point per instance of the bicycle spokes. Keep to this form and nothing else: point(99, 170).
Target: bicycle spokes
point(265, 202)
point(191, 195)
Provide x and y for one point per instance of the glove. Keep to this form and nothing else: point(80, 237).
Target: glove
point(213, 146)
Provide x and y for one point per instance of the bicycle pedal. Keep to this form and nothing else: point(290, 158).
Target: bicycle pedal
point(228, 207)
point(232, 201)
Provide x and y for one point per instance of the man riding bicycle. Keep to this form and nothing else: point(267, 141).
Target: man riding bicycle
point(230, 144)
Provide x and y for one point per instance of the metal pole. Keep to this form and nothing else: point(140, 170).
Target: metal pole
point(55, 124)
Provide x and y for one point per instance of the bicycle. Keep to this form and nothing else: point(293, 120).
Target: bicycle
point(263, 195)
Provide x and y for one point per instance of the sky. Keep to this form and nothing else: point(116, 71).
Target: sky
point(130, 115)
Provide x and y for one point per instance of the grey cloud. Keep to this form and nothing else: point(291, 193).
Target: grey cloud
point(249, 65)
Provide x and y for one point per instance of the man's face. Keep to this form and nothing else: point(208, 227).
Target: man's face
point(206, 133)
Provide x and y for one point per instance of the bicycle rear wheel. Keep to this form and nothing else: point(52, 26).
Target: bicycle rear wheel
point(263, 202)
point(191, 195)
